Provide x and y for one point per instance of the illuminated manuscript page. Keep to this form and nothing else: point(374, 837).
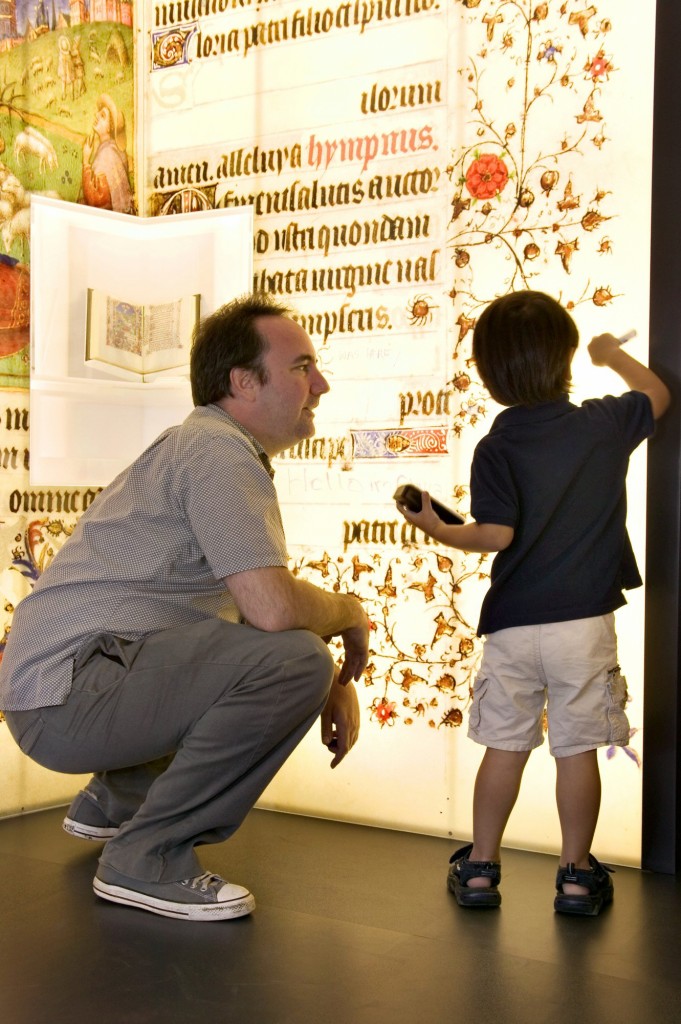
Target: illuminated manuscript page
point(408, 161)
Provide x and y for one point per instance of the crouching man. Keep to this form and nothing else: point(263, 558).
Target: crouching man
point(168, 649)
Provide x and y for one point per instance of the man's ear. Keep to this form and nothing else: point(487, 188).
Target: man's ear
point(244, 383)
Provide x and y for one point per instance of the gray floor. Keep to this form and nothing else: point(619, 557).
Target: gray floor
point(353, 926)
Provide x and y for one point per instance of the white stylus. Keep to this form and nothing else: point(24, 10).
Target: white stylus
point(626, 337)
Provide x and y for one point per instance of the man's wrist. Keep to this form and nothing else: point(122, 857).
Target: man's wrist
point(354, 611)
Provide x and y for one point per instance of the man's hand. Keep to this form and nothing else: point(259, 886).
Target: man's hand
point(340, 720)
point(356, 644)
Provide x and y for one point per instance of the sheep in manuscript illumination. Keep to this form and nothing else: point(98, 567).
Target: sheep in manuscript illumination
point(31, 142)
point(12, 190)
point(17, 228)
point(13, 196)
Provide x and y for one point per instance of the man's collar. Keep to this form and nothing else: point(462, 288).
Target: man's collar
point(261, 453)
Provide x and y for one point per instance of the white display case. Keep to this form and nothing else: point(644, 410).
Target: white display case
point(86, 424)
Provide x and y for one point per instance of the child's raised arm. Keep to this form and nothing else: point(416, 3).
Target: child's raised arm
point(605, 350)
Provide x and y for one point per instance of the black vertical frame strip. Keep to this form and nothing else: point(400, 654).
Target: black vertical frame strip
point(662, 718)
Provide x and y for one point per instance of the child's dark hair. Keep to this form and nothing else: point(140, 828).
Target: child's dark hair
point(523, 345)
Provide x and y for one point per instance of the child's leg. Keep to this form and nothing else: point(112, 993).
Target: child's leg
point(496, 790)
point(578, 795)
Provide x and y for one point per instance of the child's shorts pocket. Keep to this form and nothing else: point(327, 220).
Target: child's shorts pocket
point(618, 696)
point(475, 713)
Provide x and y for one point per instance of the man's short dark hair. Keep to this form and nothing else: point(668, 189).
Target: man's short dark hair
point(228, 339)
point(523, 345)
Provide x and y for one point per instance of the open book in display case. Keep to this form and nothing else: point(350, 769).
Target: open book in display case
point(140, 341)
point(114, 300)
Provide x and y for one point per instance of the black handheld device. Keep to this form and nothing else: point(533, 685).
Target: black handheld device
point(410, 496)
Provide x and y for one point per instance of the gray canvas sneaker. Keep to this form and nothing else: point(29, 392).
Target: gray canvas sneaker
point(86, 820)
point(207, 897)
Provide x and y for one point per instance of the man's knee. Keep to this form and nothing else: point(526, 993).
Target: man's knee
point(312, 648)
point(312, 656)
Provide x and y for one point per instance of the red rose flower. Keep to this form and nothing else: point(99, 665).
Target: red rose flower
point(486, 176)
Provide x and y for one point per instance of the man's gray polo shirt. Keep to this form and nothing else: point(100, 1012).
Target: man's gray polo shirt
point(149, 554)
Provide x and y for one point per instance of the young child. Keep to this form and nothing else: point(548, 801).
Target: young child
point(547, 494)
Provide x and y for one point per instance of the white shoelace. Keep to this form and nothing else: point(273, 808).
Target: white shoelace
point(204, 882)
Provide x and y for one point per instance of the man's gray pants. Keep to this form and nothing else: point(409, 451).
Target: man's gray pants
point(183, 730)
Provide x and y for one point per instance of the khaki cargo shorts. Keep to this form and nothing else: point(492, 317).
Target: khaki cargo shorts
point(568, 667)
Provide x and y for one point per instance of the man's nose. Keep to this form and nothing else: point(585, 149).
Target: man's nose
point(320, 384)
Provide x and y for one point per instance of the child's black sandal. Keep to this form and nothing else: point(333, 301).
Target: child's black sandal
point(596, 879)
point(462, 870)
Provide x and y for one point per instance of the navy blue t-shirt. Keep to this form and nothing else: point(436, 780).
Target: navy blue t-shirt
point(556, 473)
